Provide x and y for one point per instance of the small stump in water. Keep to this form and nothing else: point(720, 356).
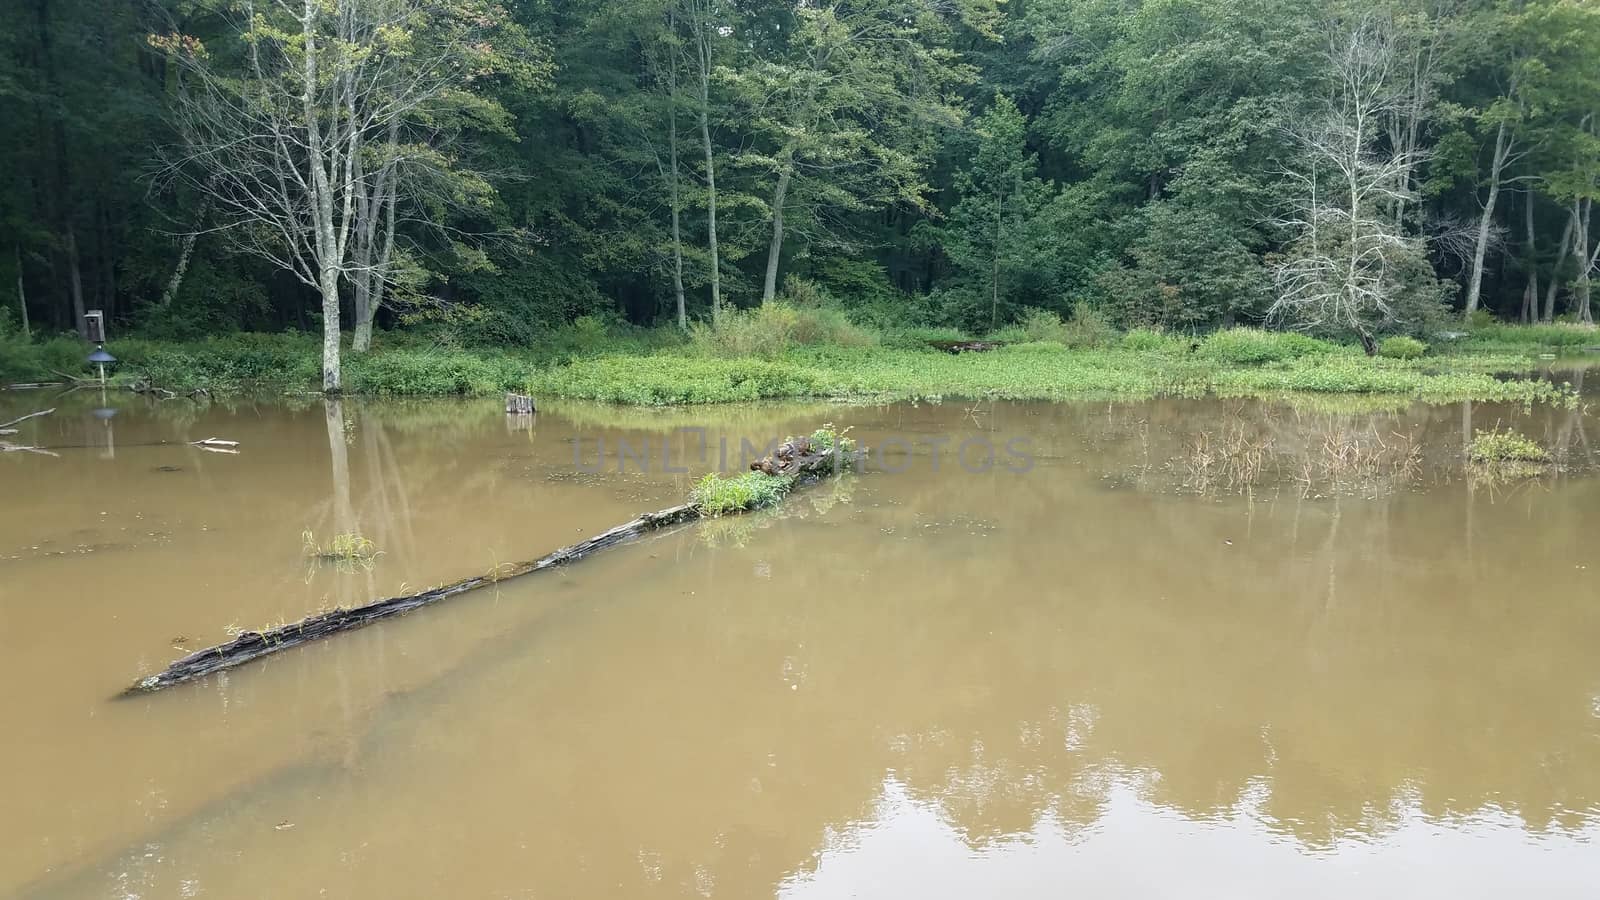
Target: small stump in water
point(519, 405)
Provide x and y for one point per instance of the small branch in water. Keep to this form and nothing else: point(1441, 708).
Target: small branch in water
point(32, 415)
point(8, 447)
point(216, 445)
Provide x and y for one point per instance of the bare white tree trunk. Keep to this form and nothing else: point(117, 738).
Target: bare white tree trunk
point(22, 295)
point(1503, 143)
point(185, 251)
point(1530, 294)
point(1586, 263)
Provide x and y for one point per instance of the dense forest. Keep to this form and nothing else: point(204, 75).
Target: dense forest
point(200, 166)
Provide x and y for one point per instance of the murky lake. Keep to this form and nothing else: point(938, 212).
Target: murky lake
point(1200, 648)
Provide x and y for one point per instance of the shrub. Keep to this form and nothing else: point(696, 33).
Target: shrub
point(1481, 318)
point(921, 338)
point(1254, 346)
point(799, 291)
point(667, 379)
point(1559, 336)
point(772, 328)
point(1035, 325)
point(1087, 328)
point(1401, 347)
point(1505, 447)
point(1149, 340)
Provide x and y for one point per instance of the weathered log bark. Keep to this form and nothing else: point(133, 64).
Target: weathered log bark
point(252, 645)
point(966, 346)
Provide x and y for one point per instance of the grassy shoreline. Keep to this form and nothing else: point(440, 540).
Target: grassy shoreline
point(1236, 364)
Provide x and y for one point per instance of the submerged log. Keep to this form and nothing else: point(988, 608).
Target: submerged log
point(251, 645)
point(798, 459)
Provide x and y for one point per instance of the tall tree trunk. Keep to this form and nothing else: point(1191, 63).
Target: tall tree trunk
point(1580, 244)
point(185, 251)
point(373, 253)
point(703, 44)
point(1502, 149)
point(75, 281)
point(331, 380)
point(672, 184)
point(769, 288)
point(1530, 295)
point(22, 295)
point(378, 282)
point(1563, 247)
point(322, 160)
point(994, 263)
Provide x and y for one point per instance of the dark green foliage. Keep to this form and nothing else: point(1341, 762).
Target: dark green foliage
point(969, 166)
point(1185, 270)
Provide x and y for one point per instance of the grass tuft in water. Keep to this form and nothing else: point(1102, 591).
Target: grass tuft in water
point(716, 495)
point(1495, 447)
point(349, 547)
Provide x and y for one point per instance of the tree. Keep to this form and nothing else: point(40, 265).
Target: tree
point(847, 115)
point(1340, 271)
point(297, 134)
point(1000, 194)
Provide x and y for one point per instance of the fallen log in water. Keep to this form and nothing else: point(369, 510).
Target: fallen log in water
point(796, 460)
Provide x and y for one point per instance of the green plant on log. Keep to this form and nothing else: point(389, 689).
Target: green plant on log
point(717, 495)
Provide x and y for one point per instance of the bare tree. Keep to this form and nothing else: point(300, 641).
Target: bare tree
point(1587, 258)
point(297, 144)
point(1338, 274)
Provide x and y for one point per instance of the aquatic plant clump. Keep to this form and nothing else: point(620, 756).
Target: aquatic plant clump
point(716, 495)
point(1492, 447)
point(347, 547)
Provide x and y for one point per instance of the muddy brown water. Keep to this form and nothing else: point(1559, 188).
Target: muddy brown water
point(1125, 672)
